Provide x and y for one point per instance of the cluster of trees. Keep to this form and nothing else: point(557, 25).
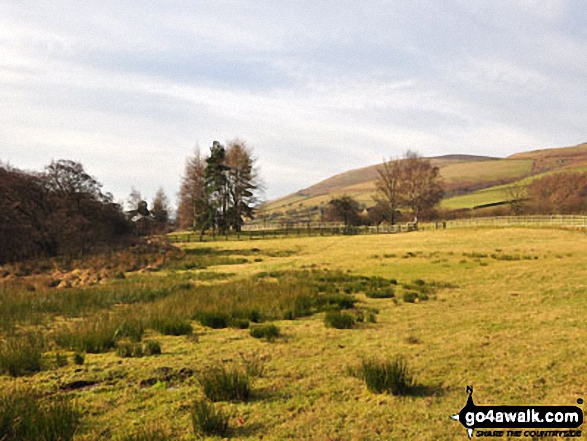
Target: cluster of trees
point(218, 190)
point(411, 184)
point(559, 193)
point(59, 211)
point(156, 220)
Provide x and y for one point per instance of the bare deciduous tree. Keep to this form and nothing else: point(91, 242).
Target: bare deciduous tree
point(388, 187)
point(421, 187)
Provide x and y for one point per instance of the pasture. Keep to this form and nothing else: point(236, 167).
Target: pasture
point(501, 309)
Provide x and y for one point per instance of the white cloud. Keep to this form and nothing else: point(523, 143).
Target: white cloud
point(315, 88)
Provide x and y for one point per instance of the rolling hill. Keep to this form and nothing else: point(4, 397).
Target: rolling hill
point(470, 181)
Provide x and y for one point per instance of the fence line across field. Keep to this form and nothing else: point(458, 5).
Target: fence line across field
point(263, 230)
point(565, 221)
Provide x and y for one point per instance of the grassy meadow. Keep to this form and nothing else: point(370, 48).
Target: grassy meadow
point(271, 339)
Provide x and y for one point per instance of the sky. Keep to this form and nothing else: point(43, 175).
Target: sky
point(130, 89)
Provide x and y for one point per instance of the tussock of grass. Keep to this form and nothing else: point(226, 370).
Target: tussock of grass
point(99, 334)
point(207, 420)
point(152, 347)
point(169, 322)
point(382, 293)
point(127, 349)
point(269, 331)
point(253, 364)
point(21, 354)
point(339, 320)
point(26, 417)
point(410, 297)
point(392, 376)
point(223, 383)
point(213, 319)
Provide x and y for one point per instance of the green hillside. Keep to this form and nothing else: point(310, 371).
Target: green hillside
point(470, 181)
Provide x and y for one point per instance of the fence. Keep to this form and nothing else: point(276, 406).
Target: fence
point(292, 229)
point(267, 230)
point(561, 221)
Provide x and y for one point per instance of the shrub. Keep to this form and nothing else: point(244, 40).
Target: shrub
point(152, 347)
point(207, 420)
point(223, 383)
point(269, 331)
point(339, 320)
point(24, 417)
point(21, 355)
point(387, 376)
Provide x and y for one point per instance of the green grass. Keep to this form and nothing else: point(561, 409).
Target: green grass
point(207, 420)
point(21, 354)
point(226, 383)
point(24, 416)
point(393, 376)
point(512, 327)
point(338, 320)
point(267, 331)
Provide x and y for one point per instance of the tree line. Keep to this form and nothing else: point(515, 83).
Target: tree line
point(60, 211)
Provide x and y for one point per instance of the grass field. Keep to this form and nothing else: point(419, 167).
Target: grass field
point(499, 309)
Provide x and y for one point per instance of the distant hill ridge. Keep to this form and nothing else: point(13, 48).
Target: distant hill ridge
point(467, 184)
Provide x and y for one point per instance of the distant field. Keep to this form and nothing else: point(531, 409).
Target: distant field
point(487, 170)
point(482, 197)
point(499, 309)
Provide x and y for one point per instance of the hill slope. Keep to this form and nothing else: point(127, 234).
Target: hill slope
point(470, 181)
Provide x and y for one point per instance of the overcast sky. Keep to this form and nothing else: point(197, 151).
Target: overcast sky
point(316, 88)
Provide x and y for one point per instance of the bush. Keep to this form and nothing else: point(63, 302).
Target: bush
point(152, 347)
point(339, 320)
point(387, 376)
point(269, 332)
point(24, 417)
point(21, 355)
point(223, 383)
point(207, 420)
